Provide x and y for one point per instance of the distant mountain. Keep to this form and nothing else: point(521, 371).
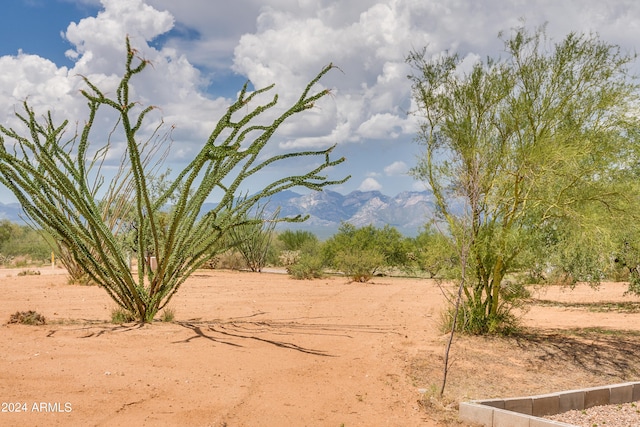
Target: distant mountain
point(407, 211)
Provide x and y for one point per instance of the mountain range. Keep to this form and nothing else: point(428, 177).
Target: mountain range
point(407, 211)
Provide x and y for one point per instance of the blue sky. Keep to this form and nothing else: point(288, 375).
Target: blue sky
point(204, 50)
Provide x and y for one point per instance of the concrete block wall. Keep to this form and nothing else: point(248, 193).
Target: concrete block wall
point(527, 411)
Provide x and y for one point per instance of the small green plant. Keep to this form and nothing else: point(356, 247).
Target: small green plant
point(120, 315)
point(168, 315)
point(81, 279)
point(27, 318)
point(471, 320)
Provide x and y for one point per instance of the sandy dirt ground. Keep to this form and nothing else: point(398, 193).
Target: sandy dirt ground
point(251, 349)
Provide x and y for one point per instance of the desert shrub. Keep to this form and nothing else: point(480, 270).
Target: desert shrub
point(359, 265)
point(119, 316)
point(27, 318)
point(303, 258)
point(295, 240)
point(167, 315)
point(288, 258)
point(231, 259)
point(29, 272)
point(472, 319)
point(24, 242)
point(363, 252)
point(5, 259)
point(308, 265)
point(252, 239)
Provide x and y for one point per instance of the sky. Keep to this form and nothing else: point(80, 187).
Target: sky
point(203, 51)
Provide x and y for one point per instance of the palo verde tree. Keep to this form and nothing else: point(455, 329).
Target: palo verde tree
point(51, 177)
point(525, 147)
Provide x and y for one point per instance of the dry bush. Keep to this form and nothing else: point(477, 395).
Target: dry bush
point(229, 260)
point(27, 318)
point(29, 272)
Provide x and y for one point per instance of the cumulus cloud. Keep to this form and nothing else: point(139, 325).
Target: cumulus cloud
point(99, 40)
point(287, 42)
point(170, 82)
point(371, 95)
point(396, 168)
point(370, 184)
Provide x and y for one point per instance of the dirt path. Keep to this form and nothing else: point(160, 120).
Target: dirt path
point(251, 349)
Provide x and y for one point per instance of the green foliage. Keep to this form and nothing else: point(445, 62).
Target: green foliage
point(301, 254)
point(359, 265)
point(295, 240)
point(434, 253)
point(24, 241)
point(168, 315)
point(473, 319)
point(362, 252)
point(307, 266)
point(182, 239)
point(120, 315)
point(543, 138)
point(6, 231)
point(626, 258)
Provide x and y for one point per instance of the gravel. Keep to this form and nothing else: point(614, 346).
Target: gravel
point(622, 415)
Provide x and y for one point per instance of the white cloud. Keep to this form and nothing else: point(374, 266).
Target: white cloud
point(371, 95)
point(370, 184)
point(170, 81)
point(99, 41)
point(396, 168)
point(381, 126)
point(287, 42)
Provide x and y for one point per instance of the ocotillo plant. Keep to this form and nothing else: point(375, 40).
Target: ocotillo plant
point(57, 182)
point(253, 239)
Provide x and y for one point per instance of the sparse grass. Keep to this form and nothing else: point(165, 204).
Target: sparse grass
point(27, 318)
point(120, 315)
point(597, 307)
point(82, 280)
point(168, 315)
point(595, 332)
point(445, 408)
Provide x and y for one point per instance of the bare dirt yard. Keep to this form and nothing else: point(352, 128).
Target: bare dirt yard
point(250, 349)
